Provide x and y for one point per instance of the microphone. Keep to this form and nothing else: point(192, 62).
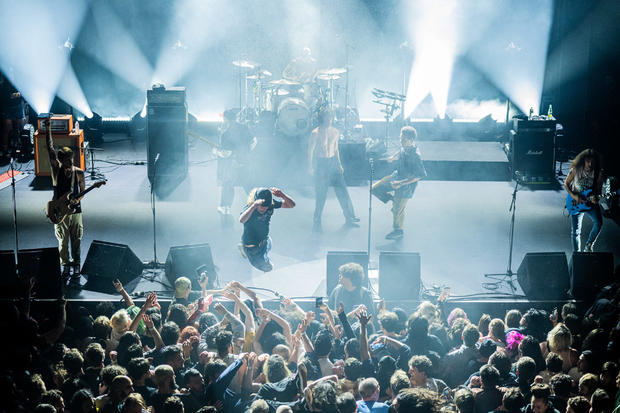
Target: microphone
point(156, 158)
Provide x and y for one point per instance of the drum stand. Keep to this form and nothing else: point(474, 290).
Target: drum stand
point(12, 169)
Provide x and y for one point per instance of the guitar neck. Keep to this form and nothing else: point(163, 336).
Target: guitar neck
point(87, 190)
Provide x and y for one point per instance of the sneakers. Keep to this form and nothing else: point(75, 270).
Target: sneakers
point(396, 234)
point(66, 271)
point(224, 210)
point(589, 247)
point(352, 222)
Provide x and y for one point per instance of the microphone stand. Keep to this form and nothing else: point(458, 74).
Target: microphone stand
point(15, 216)
point(155, 263)
point(507, 277)
point(371, 171)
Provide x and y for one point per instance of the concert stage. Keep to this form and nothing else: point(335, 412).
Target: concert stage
point(460, 228)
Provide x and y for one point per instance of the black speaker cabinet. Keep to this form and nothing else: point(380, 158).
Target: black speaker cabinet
point(107, 261)
point(337, 258)
point(167, 148)
point(399, 275)
point(589, 272)
point(183, 260)
point(544, 275)
point(532, 147)
point(41, 263)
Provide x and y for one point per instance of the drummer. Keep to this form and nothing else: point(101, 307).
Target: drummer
point(301, 69)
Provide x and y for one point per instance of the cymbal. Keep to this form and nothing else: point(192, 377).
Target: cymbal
point(245, 63)
point(323, 76)
point(333, 71)
point(261, 74)
point(284, 82)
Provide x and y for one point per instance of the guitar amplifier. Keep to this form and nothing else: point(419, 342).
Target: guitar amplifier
point(61, 124)
point(74, 140)
point(532, 151)
point(172, 96)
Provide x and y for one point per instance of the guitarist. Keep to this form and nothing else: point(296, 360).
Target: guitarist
point(67, 178)
point(585, 174)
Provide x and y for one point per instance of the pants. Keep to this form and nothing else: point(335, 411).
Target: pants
point(70, 229)
point(327, 172)
point(576, 220)
point(231, 173)
point(383, 190)
point(258, 255)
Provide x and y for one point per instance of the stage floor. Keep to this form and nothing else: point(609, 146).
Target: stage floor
point(459, 228)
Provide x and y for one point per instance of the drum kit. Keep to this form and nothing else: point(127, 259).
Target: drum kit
point(288, 105)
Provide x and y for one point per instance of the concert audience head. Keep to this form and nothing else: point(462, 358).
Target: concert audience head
point(163, 378)
point(464, 401)
point(82, 402)
point(369, 389)
point(501, 362)
point(497, 330)
point(559, 338)
point(205, 321)
point(554, 362)
point(513, 318)
point(324, 396)
point(94, 355)
point(275, 369)
point(134, 403)
point(399, 381)
point(351, 275)
point(170, 333)
point(259, 406)
point(456, 314)
point(174, 405)
point(346, 403)
point(470, 335)
point(486, 349)
point(353, 369)
point(352, 348)
point(416, 400)
point(601, 402)
point(578, 404)
point(182, 287)
point(138, 369)
point(107, 375)
point(530, 347)
point(427, 310)
point(536, 324)
point(177, 314)
point(587, 384)
point(540, 398)
point(389, 322)
point(489, 376)
point(513, 400)
point(526, 369)
point(561, 385)
point(419, 370)
point(223, 343)
point(483, 324)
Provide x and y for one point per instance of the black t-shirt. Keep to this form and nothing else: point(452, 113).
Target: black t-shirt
point(237, 138)
point(63, 185)
point(256, 228)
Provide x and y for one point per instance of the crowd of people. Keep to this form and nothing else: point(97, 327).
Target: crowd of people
point(224, 351)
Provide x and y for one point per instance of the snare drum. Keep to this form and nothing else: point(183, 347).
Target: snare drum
point(293, 117)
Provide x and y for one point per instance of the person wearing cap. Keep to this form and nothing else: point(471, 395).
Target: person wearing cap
point(255, 217)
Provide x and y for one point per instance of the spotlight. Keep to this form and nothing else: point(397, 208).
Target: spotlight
point(93, 129)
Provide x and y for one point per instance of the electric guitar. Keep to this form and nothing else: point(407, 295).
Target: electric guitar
point(57, 209)
point(573, 207)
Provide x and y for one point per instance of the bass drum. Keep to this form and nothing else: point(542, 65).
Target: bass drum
point(293, 117)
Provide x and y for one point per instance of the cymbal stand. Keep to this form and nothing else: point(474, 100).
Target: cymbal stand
point(12, 169)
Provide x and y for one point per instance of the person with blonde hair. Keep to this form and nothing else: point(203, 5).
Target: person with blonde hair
point(559, 341)
point(429, 311)
point(585, 175)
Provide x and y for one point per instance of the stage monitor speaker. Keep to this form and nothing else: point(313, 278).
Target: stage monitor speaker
point(41, 263)
point(107, 261)
point(399, 275)
point(337, 258)
point(589, 272)
point(544, 275)
point(183, 260)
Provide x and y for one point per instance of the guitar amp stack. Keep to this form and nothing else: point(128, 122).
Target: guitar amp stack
point(532, 151)
point(63, 134)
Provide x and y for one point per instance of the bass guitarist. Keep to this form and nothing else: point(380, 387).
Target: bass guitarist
point(584, 184)
point(67, 178)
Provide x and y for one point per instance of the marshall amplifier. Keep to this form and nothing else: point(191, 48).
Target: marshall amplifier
point(532, 150)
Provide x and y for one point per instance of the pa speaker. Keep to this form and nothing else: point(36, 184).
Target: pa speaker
point(107, 261)
point(41, 263)
point(399, 275)
point(184, 260)
point(589, 272)
point(544, 275)
point(337, 258)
